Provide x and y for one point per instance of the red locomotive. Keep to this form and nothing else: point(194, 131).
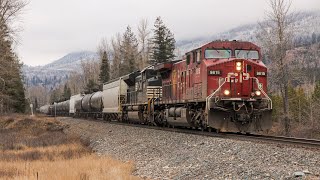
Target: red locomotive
point(221, 85)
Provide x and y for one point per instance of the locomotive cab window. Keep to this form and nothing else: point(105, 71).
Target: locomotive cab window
point(217, 53)
point(249, 68)
point(247, 54)
point(194, 57)
point(188, 58)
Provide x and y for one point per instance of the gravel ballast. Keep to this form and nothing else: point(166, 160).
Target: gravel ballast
point(169, 155)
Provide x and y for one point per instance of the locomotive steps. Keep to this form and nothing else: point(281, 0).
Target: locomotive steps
point(165, 154)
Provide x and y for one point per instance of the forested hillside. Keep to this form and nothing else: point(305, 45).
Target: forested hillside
point(53, 74)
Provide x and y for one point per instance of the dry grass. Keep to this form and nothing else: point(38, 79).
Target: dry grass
point(37, 148)
point(86, 167)
point(297, 130)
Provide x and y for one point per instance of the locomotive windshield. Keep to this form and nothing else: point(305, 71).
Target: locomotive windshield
point(217, 53)
point(247, 54)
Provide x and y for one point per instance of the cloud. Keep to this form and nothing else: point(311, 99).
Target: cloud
point(55, 28)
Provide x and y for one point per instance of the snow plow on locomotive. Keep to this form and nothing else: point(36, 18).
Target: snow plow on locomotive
point(221, 85)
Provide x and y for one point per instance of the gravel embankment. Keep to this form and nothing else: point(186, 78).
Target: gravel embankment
point(169, 155)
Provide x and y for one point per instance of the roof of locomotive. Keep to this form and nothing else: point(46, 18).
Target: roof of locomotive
point(223, 44)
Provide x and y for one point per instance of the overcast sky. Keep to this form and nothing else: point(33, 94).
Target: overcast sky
point(54, 28)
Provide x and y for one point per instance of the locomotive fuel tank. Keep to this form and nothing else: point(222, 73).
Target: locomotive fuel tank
point(135, 116)
point(178, 116)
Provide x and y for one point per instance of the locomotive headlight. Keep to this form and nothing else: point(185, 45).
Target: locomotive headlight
point(238, 66)
point(226, 92)
point(258, 93)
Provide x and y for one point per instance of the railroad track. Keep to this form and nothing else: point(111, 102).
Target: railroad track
point(297, 142)
point(288, 140)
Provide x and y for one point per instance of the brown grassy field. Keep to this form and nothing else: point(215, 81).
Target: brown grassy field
point(37, 148)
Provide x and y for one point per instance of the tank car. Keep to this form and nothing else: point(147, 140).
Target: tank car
point(44, 109)
point(61, 108)
point(89, 105)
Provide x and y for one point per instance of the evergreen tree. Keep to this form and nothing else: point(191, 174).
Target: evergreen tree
point(12, 96)
point(129, 52)
point(298, 104)
point(91, 87)
point(316, 92)
point(104, 75)
point(163, 43)
point(55, 96)
point(313, 38)
point(35, 104)
point(66, 92)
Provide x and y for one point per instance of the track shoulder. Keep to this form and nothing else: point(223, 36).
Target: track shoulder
point(171, 155)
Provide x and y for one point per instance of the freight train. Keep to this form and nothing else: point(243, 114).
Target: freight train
point(219, 86)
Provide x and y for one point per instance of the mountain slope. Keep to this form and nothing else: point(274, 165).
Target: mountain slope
point(72, 59)
point(304, 25)
point(54, 73)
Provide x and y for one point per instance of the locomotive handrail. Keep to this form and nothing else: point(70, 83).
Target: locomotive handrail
point(264, 93)
point(220, 86)
point(212, 94)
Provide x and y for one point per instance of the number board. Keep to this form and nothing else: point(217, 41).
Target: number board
point(259, 73)
point(214, 72)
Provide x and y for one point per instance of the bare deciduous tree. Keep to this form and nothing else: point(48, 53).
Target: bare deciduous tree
point(116, 60)
point(103, 46)
point(10, 11)
point(277, 38)
point(90, 71)
point(144, 42)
